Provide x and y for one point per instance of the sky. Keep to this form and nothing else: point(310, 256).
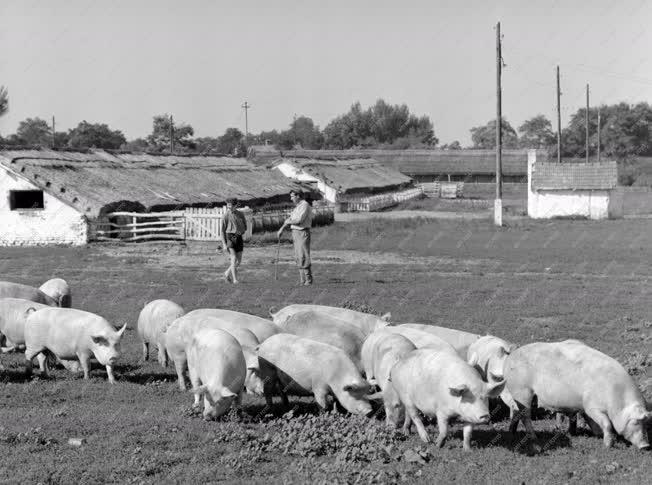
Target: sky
point(121, 62)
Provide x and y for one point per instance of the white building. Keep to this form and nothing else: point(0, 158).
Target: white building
point(51, 197)
point(573, 190)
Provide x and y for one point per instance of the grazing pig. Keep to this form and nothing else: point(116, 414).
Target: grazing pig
point(153, 320)
point(13, 314)
point(380, 352)
point(441, 384)
point(459, 339)
point(328, 330)
point(422, 339)
point(180, 333)
point(71, 335)
point(261, 327)
point(58, 290)
point(17, 290)
point(487, 355)
point(570, 376)
point(217, 368)
point(365, 322)
point(303, 366)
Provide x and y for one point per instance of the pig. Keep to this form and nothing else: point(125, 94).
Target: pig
point(154, 318)
point(58, 290)
point(570, 376)
point(303, 366)
point(182, 329)
point(71, 335)
point(380, 352)
point(261, 327)
point(459, 339)
point(365, 322)
point(422, 339)
point(487, 355)
point(17, 290)
point(217, 368)
point(441, 384)
point(328, 330)
point(13, 314)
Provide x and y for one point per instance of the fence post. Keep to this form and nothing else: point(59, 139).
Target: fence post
point(133, 229)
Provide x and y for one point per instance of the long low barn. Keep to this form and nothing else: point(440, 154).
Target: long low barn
point(49, 197)
point(428, 165)
point(338, 180)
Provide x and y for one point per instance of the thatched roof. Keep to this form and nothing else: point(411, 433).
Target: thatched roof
point(574, 176)
point(355, 175)
point(95, 181)
point(433, 162)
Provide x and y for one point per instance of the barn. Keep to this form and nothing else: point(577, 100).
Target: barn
point(352, 180)
point(52, 197)
point(573, 190)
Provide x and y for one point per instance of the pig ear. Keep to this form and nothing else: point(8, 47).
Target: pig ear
point(30, 310)
point(227, 393)
point(494, 390)
point(99, 340)
point(458, 391)
point(386, 317)
point(375, 395)
point(122, 330)
point(496, 377)
point(473, 359)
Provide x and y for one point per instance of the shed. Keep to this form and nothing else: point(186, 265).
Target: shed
point(337, 180)
point(573, 190)
point(49, 197)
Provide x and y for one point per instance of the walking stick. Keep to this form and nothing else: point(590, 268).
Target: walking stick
point(278, 250)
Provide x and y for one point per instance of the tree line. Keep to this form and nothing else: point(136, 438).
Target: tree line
point(624, 131)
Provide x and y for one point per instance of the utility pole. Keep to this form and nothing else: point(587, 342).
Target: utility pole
point(171, 134)
point(294, 130)
point(54, 138)
point(599, 129)
point(586, 122)
point(246, 107)
point(498, 203)
point(558, 119)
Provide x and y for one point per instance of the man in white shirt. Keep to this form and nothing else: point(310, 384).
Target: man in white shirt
point(300, 221)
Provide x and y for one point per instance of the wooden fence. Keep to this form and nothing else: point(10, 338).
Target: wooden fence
point(445, 190)
point(380, 201)
point(192, 224)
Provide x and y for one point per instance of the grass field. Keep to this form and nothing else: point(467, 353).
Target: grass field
point(525, 282)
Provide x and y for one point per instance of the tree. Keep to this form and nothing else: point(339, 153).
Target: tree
point(207, 145)
point(454, 145)
point(232, 143)
point(485, 136)
point(89, 135)
point(34, 132)
point(137, 145)
point(382, 125)
point(4, 100)
point(159, 139)
point(536, 133)
point(302, 132)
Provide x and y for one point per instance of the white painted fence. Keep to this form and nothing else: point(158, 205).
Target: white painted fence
point(380, 201)
point(445, 190)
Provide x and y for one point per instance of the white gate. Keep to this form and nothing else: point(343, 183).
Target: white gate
point(205, 224)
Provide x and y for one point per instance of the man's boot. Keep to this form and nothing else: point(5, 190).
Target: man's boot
point(308, 280)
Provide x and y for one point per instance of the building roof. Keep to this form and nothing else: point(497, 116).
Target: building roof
point(434, 162)
point(95, 180)
point(574, 176)
point(350, 175)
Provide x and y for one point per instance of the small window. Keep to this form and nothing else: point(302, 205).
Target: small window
point(25, 199)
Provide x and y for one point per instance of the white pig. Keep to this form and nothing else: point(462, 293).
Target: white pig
point(216, 366)
point(17, 290)
point(365, 322)
point(58, 290)
point(459, 339)
point(261, 327)
point(302, 366)
point(72, 334)
point(153, 320)
point(422, 339)
point(381, 351)
point(570, 376)
point(442, 384)
point(13, 314)
point(180, 333)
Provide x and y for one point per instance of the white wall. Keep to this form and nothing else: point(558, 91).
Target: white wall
point(290, 171)
point(593, 204)
point(56, 223)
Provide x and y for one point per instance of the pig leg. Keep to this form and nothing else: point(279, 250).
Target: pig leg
point(559, 420)
point(605, 424)
point(85, 361)
point(572, 424)
point(109, 372)
point(320, 397)
point(145, 350)
point(42, 363)
point(179, 365)
point(421, 429)
point(595, 429)
point(162, 355)
point(407, 424)
point(194, 383)
point(284, 395)
point(269, 385)
point(29, 356)
point(442, 425)
point(466, 431)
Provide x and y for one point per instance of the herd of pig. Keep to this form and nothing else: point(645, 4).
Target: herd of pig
point(339, 356)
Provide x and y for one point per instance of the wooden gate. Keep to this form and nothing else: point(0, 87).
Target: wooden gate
point(205, 224)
